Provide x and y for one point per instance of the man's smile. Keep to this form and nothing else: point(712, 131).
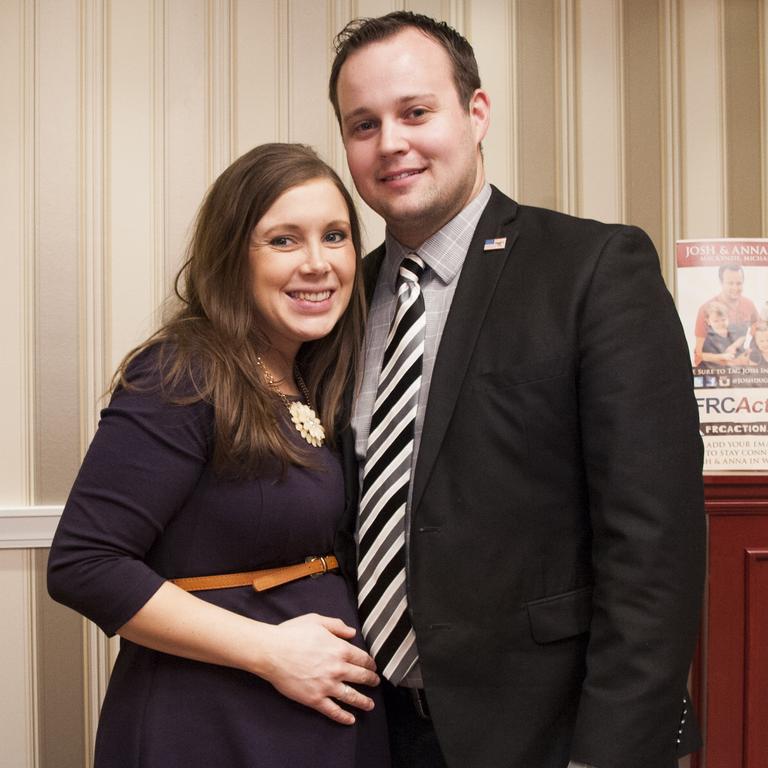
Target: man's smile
point(399, 175)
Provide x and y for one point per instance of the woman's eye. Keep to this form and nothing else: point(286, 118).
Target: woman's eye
point(280, 242)
point(337, 236)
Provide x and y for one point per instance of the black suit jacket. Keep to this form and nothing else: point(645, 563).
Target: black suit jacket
point(556, 557)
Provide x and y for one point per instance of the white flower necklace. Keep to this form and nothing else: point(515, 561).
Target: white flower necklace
point(303, 416)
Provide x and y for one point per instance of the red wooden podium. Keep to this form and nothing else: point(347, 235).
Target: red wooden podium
point(731, 672)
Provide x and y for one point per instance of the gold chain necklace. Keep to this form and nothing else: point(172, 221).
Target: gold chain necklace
point(303, 415)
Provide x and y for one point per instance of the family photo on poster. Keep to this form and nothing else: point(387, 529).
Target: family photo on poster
point(722, 297)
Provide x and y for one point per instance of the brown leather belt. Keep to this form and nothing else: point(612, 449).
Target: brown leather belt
point(261, 580)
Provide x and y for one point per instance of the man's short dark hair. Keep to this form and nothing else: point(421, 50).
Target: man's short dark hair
point(730, 267)
point(361, 32)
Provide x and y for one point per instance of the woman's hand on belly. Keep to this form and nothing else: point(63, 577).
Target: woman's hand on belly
point(309, 659)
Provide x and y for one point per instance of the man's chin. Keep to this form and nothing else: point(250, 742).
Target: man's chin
point(406, 214)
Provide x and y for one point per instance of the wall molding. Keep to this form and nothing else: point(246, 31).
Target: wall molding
point(219, 48)
point(30, 217)
point(456, 13)
point(703, 192)
point(723, 120)
point(159, 216)
point(28, 527)
point(566, 107)
point(763, 17)
point(34, 735)
point(620, 97)
point(93, 187)
point(671, 160)
point(283, 68)
point(513, 116)
point(339, 13)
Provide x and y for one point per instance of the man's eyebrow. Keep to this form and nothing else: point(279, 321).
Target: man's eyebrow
point(355, 113)
point(364, 110)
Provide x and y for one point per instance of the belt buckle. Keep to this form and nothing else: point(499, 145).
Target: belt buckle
point(321, 558)
point(419, 699)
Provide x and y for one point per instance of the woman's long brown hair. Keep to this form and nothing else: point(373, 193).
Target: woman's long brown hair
point(212, 337)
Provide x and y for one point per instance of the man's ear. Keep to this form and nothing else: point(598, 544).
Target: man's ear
point(480, 113)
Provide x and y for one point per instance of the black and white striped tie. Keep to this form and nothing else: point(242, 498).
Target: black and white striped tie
point(386, 478)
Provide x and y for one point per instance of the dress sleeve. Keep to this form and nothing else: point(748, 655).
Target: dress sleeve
point(144, 461)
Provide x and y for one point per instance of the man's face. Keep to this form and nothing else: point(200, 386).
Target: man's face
point(718, 323)
point(733, 284)
point(412, 147)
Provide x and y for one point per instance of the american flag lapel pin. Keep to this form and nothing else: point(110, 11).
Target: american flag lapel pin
point(495, 245)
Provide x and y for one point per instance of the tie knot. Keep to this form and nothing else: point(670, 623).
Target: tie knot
point(411, 268)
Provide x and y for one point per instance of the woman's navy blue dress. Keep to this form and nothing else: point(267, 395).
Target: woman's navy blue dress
point(146, 506)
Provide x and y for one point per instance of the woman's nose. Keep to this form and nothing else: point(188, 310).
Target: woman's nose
point(315, 260)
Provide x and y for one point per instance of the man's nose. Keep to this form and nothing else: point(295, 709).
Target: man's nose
point(392, 138)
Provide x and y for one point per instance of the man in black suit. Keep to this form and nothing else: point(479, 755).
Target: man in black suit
point(553, 530)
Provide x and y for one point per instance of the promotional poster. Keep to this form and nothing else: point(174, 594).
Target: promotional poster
point(722, 297)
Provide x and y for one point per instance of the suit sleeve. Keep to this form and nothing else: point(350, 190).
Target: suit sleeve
point(144, 461)
point(643, 458)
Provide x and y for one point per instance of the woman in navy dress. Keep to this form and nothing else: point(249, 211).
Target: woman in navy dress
point(217, 455)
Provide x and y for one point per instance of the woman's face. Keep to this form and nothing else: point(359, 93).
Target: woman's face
point(302, 264)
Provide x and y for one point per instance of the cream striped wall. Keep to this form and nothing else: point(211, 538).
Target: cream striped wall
point(115, 115)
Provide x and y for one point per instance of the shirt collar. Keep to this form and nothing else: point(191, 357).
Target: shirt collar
point(445, 251)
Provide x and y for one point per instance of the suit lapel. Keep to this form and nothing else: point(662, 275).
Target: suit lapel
point(477, 283)
point(371, 267)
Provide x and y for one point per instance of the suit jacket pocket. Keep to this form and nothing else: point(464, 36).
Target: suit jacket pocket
point(502, 376)
point(560, 616)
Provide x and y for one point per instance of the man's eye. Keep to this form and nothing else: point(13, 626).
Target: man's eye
point(418, 112)
point(365, 125)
